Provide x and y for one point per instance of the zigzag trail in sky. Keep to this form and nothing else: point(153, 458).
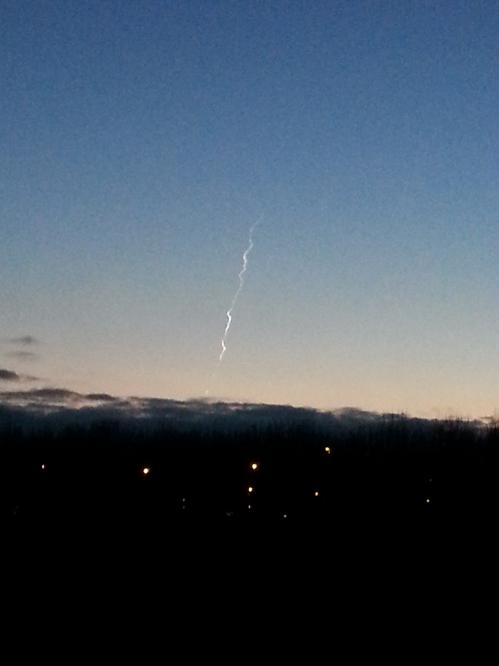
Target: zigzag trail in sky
point(239, 289)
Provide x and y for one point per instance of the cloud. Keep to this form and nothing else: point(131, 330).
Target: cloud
point(22, 355)
point(44, 395)
point(9, 376)
point(54, 399)
point(60, 407)
point(100, 397)
point(25, 340)
point(53, 409)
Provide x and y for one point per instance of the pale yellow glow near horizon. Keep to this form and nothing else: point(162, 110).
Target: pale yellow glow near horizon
point(408, 390)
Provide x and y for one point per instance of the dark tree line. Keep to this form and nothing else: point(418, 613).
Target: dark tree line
point(307, 470)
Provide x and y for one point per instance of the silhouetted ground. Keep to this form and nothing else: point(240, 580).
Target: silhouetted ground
point(348, 517)
point(387, 475)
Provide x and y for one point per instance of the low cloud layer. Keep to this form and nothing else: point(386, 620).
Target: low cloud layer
point(53, 401)
point(59, 407)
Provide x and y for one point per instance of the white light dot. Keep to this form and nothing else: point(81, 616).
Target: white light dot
point(327, 450)
point(284, 515)
point(316, 494)
point(43, 466)
point(250, 489)
point(427, 500)
point(146, 471)
point(254, 466)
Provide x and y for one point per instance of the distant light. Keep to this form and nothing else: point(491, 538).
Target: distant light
point(43, 466)
point(316, 494)
point(284, 515)
point(146, 471)
point(250, 489)
point(327, 450)
point(427, 500)
point(184, 500)
point(254, 466)
point(249, 507)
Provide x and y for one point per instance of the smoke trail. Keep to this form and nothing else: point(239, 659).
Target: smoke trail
point(239, 289)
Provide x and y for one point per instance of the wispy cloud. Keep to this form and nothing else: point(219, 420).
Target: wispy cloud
point(22, 355)
point(11, 376)
point(25, 340)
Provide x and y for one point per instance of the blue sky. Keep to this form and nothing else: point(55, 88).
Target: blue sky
point(140, 141)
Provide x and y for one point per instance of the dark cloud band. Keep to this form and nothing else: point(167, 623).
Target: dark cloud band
point(9, 376)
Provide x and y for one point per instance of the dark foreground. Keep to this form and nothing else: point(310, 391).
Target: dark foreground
point(389, 475)
point(155, 519)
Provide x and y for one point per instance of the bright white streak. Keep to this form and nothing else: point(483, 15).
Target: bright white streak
point(239, 289)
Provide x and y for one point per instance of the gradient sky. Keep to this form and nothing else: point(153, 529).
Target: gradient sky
point(141, 140)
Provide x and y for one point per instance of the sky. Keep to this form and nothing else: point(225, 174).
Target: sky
point(140, 141)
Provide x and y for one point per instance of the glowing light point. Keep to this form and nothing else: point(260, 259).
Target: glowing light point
point(316, 494)
point(146, 471)
point(43, 466)
point(250, 489)
point(427, 500)
point(284, 515)
point(254, 466)
point(327, 450)
point(249, 507)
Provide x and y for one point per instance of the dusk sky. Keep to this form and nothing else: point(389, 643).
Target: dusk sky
point(140, 141)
